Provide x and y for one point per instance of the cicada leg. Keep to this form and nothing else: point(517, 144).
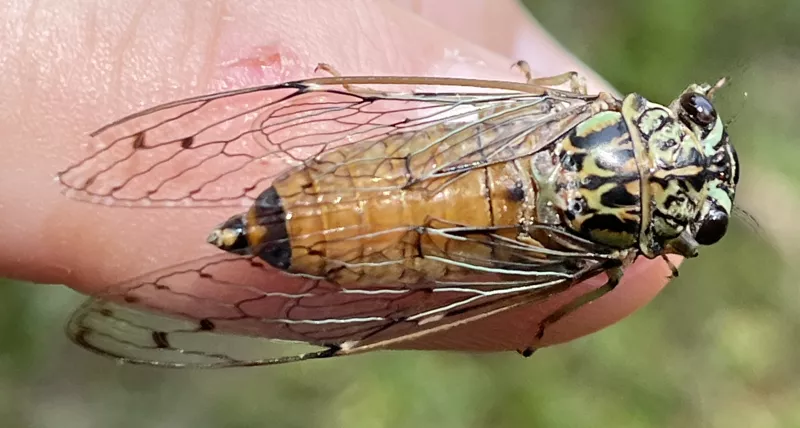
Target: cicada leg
point(672, 267)
point(360, 90)
point(576, 82)
point(614, 276)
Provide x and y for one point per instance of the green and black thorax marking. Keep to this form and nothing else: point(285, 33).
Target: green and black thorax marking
point(643, 175)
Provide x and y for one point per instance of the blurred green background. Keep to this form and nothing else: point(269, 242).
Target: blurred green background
point(718, 348)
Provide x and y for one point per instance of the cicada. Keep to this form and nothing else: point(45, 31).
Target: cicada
point(396, 208)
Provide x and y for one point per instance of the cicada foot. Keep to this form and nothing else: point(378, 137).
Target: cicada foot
point(526, 352)
point(673, 269)
point(614, 276)
point(359, 90)
point(576, 82)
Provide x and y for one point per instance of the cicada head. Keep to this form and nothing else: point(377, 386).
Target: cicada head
point(721, 167)
point(692, 174)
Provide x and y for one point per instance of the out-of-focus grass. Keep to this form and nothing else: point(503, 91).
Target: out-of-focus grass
point(718, 348)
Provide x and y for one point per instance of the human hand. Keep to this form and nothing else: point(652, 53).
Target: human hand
point(72, 67)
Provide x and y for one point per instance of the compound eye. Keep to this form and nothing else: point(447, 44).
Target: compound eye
point(713, 228)
point(698, 109)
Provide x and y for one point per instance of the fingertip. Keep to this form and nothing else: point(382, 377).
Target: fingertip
point(509, 29)
point(640, 284)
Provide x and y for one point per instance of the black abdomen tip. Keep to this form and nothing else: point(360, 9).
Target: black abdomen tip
point(276, 248)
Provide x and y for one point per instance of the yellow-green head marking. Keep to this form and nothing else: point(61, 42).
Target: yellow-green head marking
point(689, 171)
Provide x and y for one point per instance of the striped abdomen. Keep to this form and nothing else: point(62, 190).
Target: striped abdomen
point(358, 215)
point(373, 213)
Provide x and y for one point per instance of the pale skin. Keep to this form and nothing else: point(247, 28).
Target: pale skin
point(69, 67)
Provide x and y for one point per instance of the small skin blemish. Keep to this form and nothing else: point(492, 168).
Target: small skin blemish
point(262, 65)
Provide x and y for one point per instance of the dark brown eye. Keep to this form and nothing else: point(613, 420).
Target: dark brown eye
point(713, 228)
point(698, 109)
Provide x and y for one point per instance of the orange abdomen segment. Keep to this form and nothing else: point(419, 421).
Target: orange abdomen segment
point(372, 213)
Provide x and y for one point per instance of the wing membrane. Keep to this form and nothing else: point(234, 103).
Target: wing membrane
point(223, 149)
point(184, 316)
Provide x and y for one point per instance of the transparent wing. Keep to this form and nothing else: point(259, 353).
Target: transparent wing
point(225, 148)
point(217, 311)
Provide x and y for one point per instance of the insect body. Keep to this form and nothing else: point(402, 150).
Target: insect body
point(403, 213)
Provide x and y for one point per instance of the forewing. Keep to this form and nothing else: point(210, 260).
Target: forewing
point(225, 148)
point(217, 311)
